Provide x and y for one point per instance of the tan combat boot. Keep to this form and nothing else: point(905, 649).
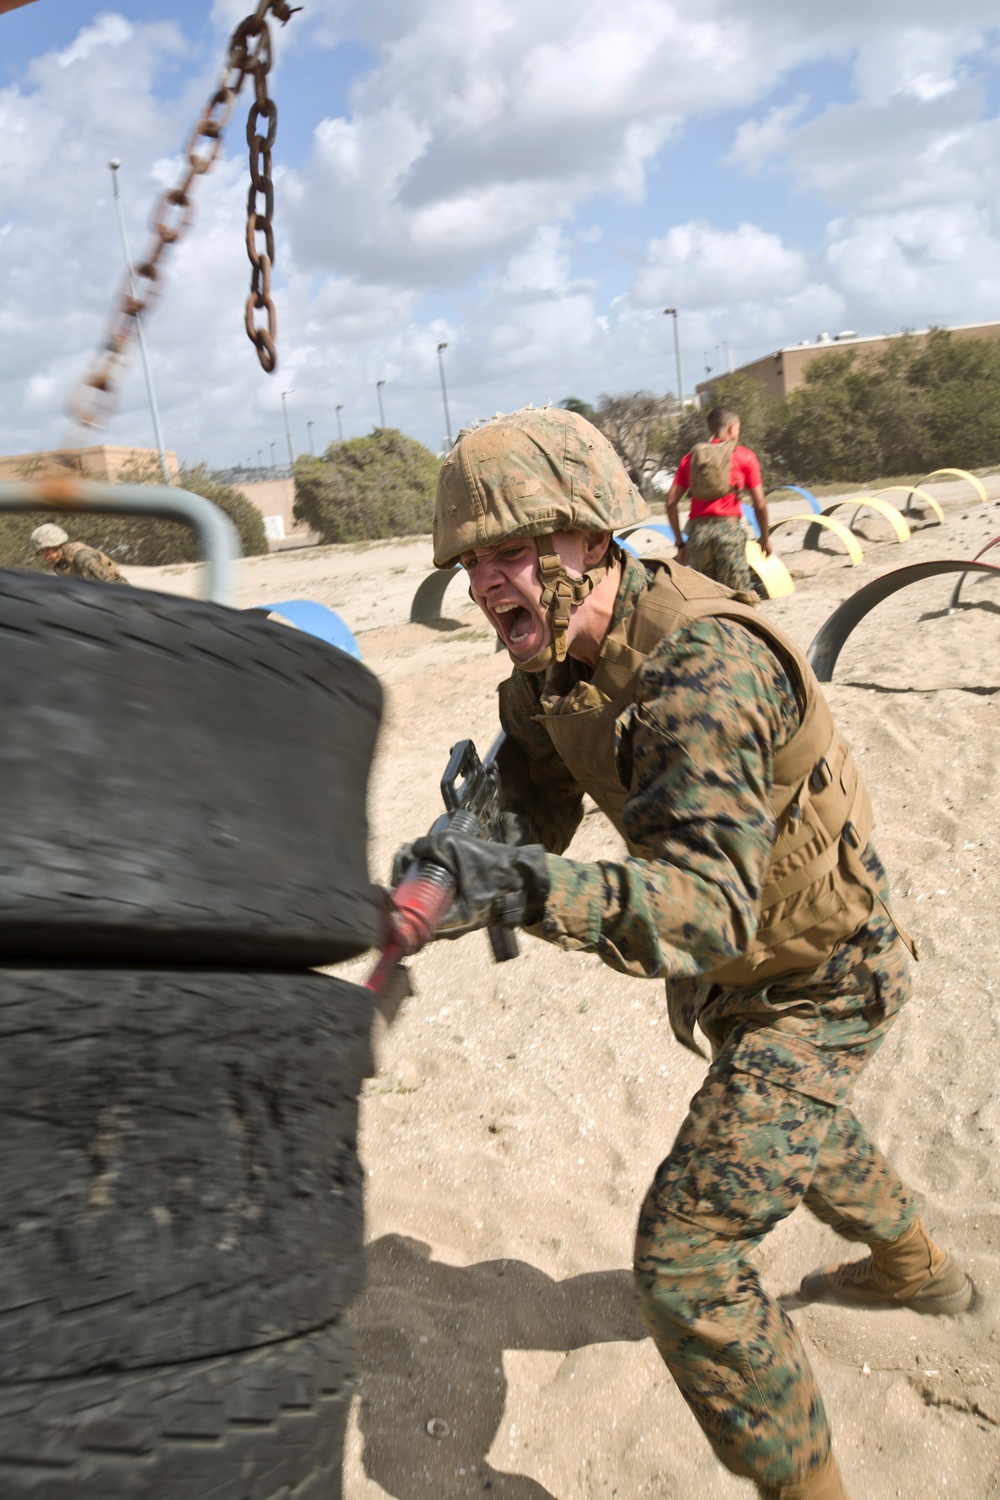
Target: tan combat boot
point(823, 1484)
point(910, 1272)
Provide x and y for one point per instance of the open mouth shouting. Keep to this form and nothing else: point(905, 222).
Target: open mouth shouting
point(521, 631)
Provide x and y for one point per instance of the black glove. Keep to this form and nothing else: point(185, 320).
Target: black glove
point(494, 883)
point(401, 862)
point(512, 829)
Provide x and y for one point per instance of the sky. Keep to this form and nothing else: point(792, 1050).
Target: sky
point(530, 182)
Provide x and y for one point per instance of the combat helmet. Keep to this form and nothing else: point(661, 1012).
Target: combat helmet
point(529, 474)
point(47, 536)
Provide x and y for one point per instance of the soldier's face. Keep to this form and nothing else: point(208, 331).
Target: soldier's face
point(51, 554)
point(505, 583)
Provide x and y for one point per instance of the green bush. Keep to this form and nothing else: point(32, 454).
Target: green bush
point(906, 409)
point(138, 540)
point(376, 486)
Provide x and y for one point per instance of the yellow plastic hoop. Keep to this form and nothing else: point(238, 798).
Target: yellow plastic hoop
point(883, 508)
point(909, 491)
point(770, 570)
point(851, 544)
point(977, 485)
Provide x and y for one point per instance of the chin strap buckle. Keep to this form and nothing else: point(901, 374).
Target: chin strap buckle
point(560, 591)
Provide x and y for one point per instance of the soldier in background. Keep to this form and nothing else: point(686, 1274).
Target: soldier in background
point(751, 887)
point(53, 546)
point(716, 474)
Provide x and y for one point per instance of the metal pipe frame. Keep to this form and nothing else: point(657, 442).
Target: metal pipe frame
point(220, 541)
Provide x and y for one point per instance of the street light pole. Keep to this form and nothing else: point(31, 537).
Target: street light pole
point(309, 429)
point(444, 393)
point(378, 391)
point(274, 461)
point(114, 164)
point(677, 352)
point(340, 430)
point(288, 425)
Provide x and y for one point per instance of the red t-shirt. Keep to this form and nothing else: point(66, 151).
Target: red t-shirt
point(744, 474)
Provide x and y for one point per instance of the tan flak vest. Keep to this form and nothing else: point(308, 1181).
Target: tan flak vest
point(817, 892)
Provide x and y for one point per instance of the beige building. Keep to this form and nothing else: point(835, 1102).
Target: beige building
point(784, 371)
point(102, 462)
point(275, 499)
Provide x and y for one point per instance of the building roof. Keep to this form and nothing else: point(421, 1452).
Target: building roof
point(848, 336)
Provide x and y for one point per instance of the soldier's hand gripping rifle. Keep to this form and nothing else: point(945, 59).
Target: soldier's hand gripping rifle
point(470, 788)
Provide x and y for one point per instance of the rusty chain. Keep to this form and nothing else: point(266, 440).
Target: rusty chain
point(249, 55)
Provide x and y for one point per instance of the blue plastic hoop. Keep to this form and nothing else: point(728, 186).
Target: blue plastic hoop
point(315, 619)
point(797, 489)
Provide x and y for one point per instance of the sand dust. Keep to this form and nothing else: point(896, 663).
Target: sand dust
point(519, 1111)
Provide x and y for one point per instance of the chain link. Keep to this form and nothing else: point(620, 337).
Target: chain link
point(249, 56)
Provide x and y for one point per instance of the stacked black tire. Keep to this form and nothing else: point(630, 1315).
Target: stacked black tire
point(180, 1193)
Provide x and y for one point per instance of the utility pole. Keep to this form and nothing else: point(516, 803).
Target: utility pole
point(274, 461)
point(444, 394)
point(340, 430)
point(260, 458)
point(114, 164)
point(288, 425)
point(309, 429)
point(672, 311)
point(378, 391)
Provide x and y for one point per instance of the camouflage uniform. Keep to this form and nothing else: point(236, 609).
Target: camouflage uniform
point(770, 1127)
point(87, 562)
point(717, 547)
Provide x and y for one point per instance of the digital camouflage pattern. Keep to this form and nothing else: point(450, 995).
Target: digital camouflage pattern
point(770, 1127)
point(696, 751)
point(87, 562)
point(717, 547)
point(713, 704)
point(530, 473)
point(752, 1148)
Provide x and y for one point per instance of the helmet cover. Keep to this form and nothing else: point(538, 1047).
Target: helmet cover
point(529, 474)
point(48, 535)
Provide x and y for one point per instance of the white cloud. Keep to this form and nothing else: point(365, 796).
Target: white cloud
point(917, 62)
point(448, 199)
point(479, 122)
point(922, 267)
point(695, 265)
point(760, 142)
point(894, 155)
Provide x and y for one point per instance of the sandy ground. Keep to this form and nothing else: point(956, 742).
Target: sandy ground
point(519, 1111)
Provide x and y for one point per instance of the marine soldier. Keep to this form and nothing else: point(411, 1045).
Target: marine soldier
point(716, 474)
point(53, 546)
point(750, 886)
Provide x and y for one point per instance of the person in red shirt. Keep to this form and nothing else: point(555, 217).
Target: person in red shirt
point(716, 540)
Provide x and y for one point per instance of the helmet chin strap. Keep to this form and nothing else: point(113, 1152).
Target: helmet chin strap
point(561, 592)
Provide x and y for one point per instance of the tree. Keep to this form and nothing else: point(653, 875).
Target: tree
point(905, 409)
point(641, 428)
point(376, 486)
